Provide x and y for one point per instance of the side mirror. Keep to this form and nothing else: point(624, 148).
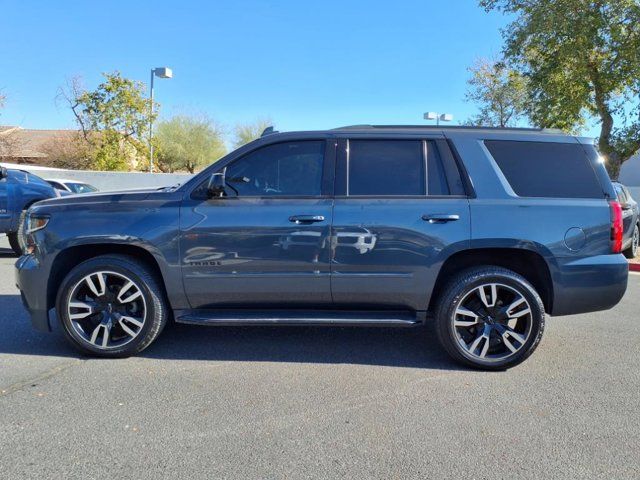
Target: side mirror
point(217, 185)
point(3, 172)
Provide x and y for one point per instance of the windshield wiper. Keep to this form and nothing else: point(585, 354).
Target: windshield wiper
point(170, 187)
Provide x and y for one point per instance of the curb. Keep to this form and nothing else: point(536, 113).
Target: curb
point(634, 267)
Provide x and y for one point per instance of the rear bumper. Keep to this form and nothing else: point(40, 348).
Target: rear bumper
point(31, 280)
point(589, 284)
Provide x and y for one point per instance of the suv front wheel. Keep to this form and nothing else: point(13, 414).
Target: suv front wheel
point(111, 306)
point(16, 239)
point(490, 318)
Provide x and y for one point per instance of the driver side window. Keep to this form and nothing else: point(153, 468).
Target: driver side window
point(281, 169)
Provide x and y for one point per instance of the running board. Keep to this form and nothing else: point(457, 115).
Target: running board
point(300, 317)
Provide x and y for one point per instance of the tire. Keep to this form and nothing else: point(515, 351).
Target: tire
point(14, 242)
point(632, 251)
point(93, 304)
point(16, 239)
point(20, 233)
point(484, 336)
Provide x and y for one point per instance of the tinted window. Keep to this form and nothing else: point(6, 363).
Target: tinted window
point(282, 169)
point(540, 169)
point(620, 193)
point(386, 167)
point(437, 180)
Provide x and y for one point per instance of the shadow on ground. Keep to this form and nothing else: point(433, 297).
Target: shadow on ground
point(399, 347)
point(7, 253)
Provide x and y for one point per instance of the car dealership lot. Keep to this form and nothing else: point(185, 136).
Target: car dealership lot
point(319, 403)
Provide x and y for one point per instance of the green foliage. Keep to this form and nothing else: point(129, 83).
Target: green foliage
point(247, 132)
point(188, 143)
point(500, 93)
point(114, 120)
point(111, 153)
point(582, 60)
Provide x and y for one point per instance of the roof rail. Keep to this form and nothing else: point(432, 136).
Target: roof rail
point(448, 127)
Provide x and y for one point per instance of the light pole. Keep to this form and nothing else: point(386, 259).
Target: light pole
point(445, 117)
point(160, 72)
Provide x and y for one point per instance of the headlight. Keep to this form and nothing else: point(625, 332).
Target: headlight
point(36, 222)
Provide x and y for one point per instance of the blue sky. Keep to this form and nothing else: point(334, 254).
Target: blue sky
point(306, 65)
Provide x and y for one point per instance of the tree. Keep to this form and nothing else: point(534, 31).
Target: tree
point(69, 151)
point(113, 119)
point(499, 92)
point(582, 61)
point(247, 132)
point(187, 143)
point(9, 141)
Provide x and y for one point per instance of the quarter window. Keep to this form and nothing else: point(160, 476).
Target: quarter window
point(546, 169)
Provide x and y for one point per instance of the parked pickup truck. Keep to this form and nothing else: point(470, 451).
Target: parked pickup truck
point(482, 231)
point(18, 191)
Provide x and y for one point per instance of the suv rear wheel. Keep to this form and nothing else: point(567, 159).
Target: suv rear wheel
point(111, 306)
point(490, 318)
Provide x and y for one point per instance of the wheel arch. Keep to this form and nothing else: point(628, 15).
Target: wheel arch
point(528, 263)
point(15, 218)
point(71, 257)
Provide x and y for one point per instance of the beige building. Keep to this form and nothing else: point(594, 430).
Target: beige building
point(29, 146)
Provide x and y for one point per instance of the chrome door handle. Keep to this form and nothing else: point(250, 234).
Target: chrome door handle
point(302, 219)
point(440, 218)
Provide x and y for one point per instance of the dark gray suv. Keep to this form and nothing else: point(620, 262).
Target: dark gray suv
point(482, 231)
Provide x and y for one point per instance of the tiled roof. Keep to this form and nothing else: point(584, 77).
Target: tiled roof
point(27, 143)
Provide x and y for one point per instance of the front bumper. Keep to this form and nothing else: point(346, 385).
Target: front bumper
point(31, 280)
point(589, 284)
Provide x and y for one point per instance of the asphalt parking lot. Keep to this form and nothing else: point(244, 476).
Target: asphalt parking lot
point(319, 403)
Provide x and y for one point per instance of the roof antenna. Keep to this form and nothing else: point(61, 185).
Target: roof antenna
point(268, 131)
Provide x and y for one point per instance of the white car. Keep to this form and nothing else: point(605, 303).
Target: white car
point(71, 186)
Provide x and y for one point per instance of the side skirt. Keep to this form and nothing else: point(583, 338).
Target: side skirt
point(385, 318)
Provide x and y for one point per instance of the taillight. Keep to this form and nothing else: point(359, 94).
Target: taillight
point(616, 227)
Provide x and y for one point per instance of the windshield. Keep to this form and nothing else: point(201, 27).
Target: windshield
point(26, 177)
point(81, 187)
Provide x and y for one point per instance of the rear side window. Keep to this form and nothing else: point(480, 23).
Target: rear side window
point(542, 169)
point(386, 167)
point(395, 168)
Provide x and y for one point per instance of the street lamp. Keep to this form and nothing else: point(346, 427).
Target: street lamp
point(160, 72)
point(444, 117)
